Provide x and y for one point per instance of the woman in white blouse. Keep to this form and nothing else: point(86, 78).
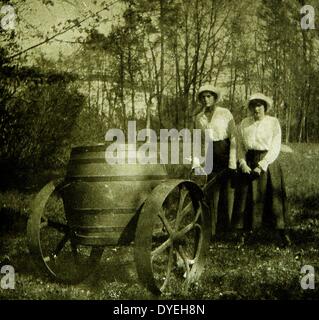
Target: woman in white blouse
point(220, 125)
point(262, 197)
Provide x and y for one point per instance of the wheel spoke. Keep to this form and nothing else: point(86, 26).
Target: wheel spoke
point(169, 268)
point(198, 213)
point(180, 234)
point(58, 226)
point(161, 248)
point(166, 223)
point(182, 254)
point(61, 245)
point(182, 196)
point(183, 213)
point(198, 246)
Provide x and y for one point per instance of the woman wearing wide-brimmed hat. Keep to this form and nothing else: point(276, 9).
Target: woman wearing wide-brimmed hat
point(220, 125)
point(262, 197)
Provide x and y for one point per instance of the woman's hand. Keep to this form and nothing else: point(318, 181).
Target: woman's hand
point(245, 168)
point(257, 171)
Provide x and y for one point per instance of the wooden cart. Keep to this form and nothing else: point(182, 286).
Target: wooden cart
point(98, 205)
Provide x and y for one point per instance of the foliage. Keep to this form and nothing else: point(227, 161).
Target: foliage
point(37, 113)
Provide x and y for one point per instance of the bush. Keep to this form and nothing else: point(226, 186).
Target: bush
point(37, 115)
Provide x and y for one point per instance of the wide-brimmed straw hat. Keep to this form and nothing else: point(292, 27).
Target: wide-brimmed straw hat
point(262, 97)
point(209, 88)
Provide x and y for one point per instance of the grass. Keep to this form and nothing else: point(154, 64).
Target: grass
point(258, 270)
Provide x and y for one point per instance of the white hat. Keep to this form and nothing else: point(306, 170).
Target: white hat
point(260, 96)
point(209, 88)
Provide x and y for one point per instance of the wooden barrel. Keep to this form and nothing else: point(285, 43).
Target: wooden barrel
point(102, 200)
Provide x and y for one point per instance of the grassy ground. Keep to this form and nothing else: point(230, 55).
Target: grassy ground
point(258, 270)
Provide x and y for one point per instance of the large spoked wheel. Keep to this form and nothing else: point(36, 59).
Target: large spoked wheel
point(52, 242)
point(172, 236)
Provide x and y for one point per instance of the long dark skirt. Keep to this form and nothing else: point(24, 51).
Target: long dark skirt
point(221, 194)
point(261, 201)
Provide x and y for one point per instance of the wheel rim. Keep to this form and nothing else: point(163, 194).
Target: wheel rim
point(51, 241)
point(172, 237)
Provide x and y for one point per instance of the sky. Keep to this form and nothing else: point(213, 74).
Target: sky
point(34, 21)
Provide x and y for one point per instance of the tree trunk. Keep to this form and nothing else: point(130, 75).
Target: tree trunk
point(162, 59)
point(121, 89)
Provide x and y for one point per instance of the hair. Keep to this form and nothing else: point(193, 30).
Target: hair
point(264, 103)
point(213, 93)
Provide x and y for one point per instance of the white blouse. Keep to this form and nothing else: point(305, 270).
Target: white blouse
point(260, 135)
point(221, 126)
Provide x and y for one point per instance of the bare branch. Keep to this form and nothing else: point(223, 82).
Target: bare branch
point(75, 24)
